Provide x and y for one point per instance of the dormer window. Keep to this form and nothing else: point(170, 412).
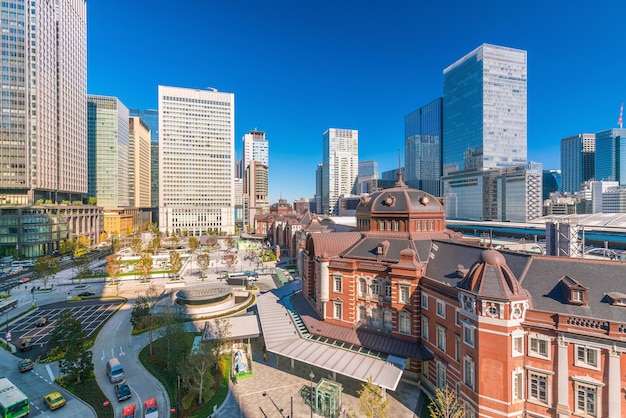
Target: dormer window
point(574, 292)
point(381, 248)
point(616, 298)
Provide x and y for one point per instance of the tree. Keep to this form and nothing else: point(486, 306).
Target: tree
point(155, 244)
point(116, 245)
point(446, 404)
point(145, 266)
point(231, 241)
point(372, 402)
point(68, 340)
point(66, 247)
point(204, 261)
point(136, 245)
point(176, 240)
point(82, 243)
point(81, 261)
point(176, 263)
point(114, 263)
point(229, 259)
point(211, 241)
point(142, 317)
point(198, 371)
point(173, 332)
point(193, 244)
point(45, 267)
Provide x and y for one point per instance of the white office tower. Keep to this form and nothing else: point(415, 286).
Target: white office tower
point(43, 136)
point(197, 160)
point(255, 148)
point(341, 167)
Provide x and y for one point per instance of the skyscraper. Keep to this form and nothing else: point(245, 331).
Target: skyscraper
point(611, 156)
point(197, 160)
point(485, 119)
point(108, 143)
point(368, 177)
point(422, 147)
point(151, 118)
point(43, 135)
point(578, 155)
point(138, 163)
point(341, 166)
point(255, 148)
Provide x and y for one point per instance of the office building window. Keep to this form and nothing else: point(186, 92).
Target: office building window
point(468, 334)
point(441, 375)
point(538, 387)
point(586, 356)
point(405, 323)
point(404, 294)
point(518, 385)
point(587, 400)
point(468, 372)
point(337, 280)
point(518, 345)
point(424, 301)
point(441, 308)
point(362, 287)
point(538, 346)
point(441, 338)
point(425, 328)
point(338, 309)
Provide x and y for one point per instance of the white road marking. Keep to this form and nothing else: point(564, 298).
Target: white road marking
point(121, 351)
point(50, 372)
point(102, 359)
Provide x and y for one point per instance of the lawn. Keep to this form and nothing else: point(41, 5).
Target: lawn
point(89, 391)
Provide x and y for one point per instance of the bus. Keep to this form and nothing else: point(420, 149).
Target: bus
point(23, 263)
point(13, 402)
point(251, 275)
point(7, 305)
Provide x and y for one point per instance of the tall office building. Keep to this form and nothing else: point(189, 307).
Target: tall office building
point(341, 166)
point(611, 156)
point(319, 188)
point(43, 135)
point(485, 119)
point(151, 118)
point(422, 147)
point(367, 181)
point(108, 143)
point(139, 163)
point(196, 160)
point(255, 148)
point(256, 192)
point(578, 155)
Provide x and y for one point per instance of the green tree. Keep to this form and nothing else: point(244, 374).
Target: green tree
point(198, 372)
point(136, 245)
point(66, 247)
point(145, 266)
point(372, 402)
point(116, 245)
point(92, 201)
point(176, 263)
point(155, 244)
point(82, 263)
point(45, 267)
point(204, 261)
point(173, 332)
point(446, 404)
point(68, 340)
point(193, 244)
point(142, 317)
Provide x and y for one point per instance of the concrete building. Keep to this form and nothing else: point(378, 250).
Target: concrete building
point(340, 149)
point(423, 130)
point(614, 200)
point(578, 154)
point(151, 118)
point(108, 145)
point(255, 192)
point(484, 125)
point(319, 188)
point(610, 154)
point(139, 163)
point(197, 160)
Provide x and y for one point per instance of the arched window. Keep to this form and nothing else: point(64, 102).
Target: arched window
point(404, 322)
point(362, 287)
point(387, 316)
point(375, 317)
point(362, 315)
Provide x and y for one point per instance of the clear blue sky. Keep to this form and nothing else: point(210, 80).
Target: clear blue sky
point(297, 68)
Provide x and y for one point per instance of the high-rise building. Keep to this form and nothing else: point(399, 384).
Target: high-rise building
point(578, 155)
point(423, 129)
point(485, 120)
point(551, 183)
point(255, 148)
point(319, 188)
point(368, 177)
point(197, 160)
point(151, 118)
point(108, 143)
point(611, 156)
point(139, 156)
point(43, 136)
point(255, 192)
point(341, 166)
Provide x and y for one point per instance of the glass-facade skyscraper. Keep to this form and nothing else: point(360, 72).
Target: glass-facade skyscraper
point(484, 126)
point(108, 145)
point(611, 156)
point(341, 166)
point(196, 160)
point(423, 129)
point(43, 135)
point(578, 155)
point(151, 118)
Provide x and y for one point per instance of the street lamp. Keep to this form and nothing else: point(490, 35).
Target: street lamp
point(311, 376)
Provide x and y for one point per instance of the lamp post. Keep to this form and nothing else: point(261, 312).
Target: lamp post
point(311, 376)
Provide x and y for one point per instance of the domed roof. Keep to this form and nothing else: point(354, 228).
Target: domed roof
point(490, 276)
point(400, 199)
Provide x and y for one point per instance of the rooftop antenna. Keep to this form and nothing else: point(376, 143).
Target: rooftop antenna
point(621, 112)
point(400, 183)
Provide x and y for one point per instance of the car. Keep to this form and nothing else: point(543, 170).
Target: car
point(41, 322)
point(26, 344)
point(129, 411)
point(122, 390)
point(25, 365)
point(86, 294)
point(150, 409)
point(54, 400)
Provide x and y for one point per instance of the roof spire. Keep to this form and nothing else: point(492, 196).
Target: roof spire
point(400, 182)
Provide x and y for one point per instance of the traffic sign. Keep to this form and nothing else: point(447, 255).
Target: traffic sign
point(9, 336)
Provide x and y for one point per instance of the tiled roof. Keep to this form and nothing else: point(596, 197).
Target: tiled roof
point(333, 243)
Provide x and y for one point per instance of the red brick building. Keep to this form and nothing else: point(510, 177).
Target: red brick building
point(516, 335)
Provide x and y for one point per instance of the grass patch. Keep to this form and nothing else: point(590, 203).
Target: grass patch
point(169, 378)
point(89, 391)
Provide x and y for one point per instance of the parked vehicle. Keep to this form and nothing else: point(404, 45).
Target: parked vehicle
point(86, 294)
point(41, 322)
point(25, 344)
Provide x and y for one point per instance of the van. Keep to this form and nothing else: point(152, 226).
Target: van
point(114, 370)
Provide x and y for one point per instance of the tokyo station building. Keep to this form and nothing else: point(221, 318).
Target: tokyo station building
point(516, 335)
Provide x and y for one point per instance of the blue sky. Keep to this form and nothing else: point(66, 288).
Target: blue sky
point(297, 68)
